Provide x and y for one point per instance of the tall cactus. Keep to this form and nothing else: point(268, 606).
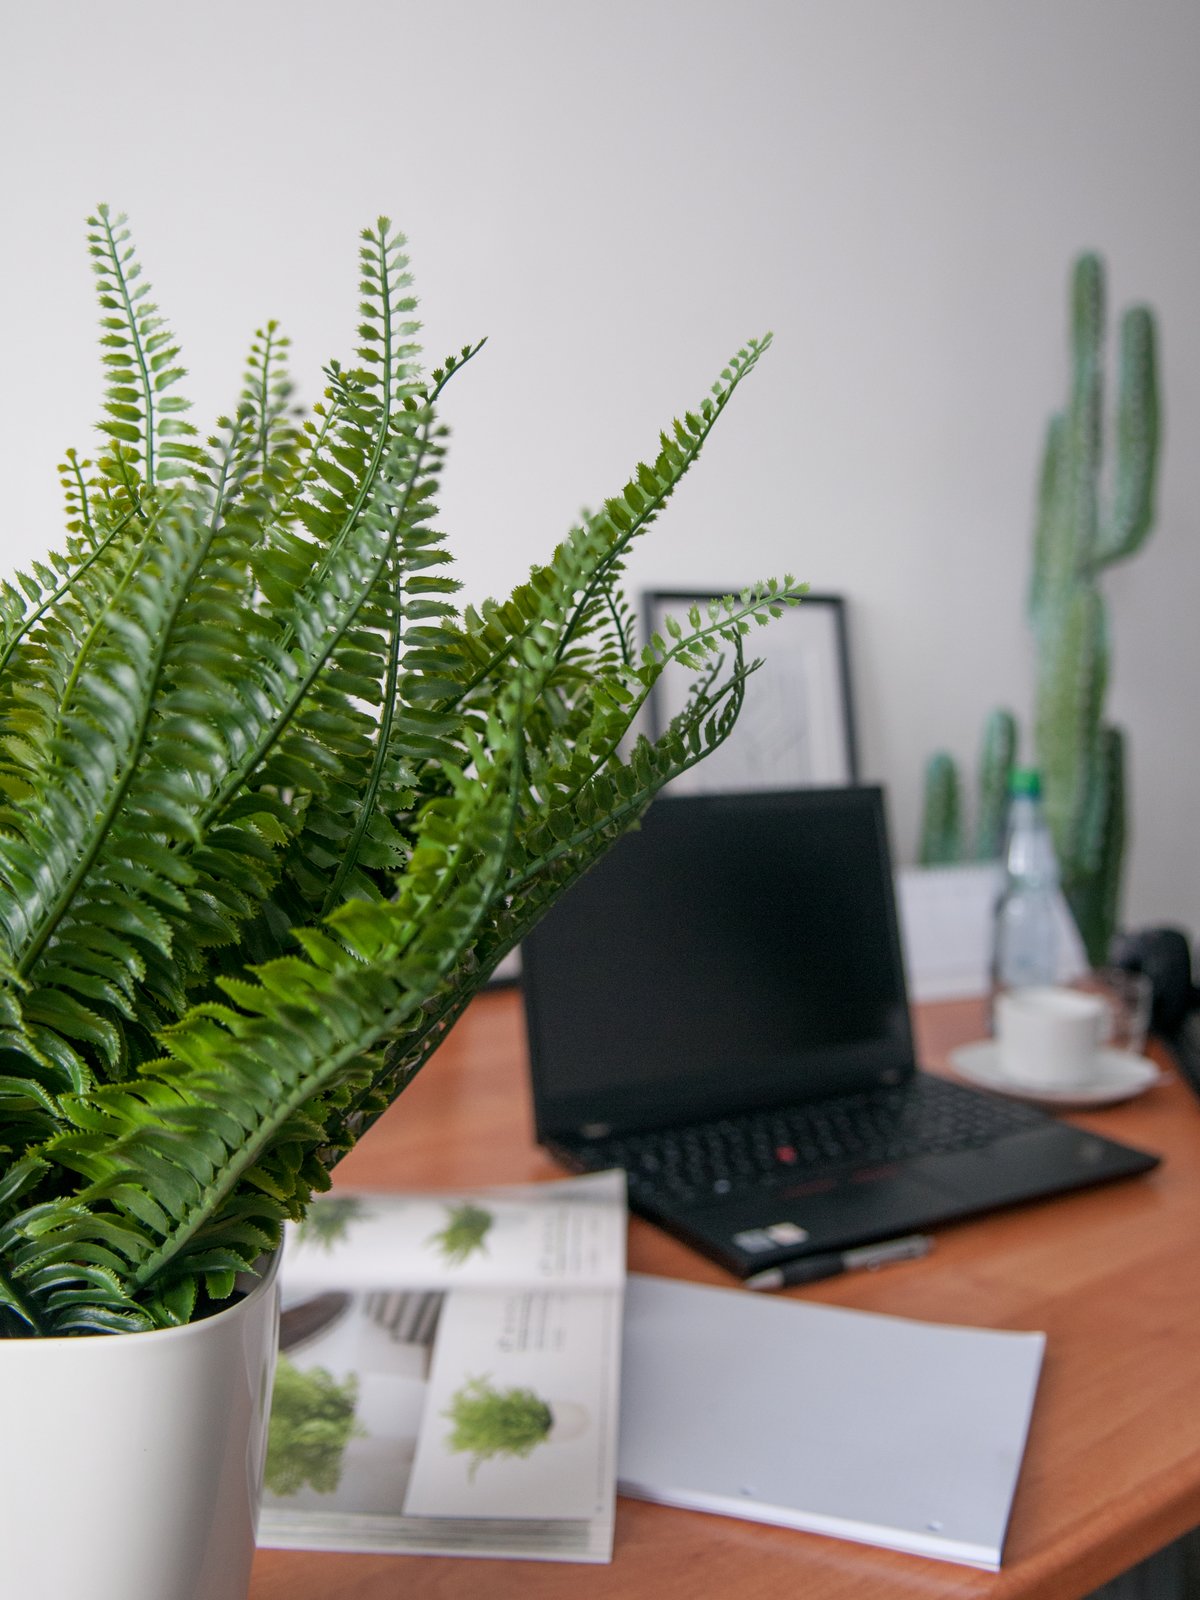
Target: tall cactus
point(1081, 756)
point(1078, 535)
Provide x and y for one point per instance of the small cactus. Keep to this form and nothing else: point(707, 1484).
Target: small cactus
point(996, 760)
point(941, 831)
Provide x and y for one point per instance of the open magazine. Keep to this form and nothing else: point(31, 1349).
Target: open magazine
point(449, 1373)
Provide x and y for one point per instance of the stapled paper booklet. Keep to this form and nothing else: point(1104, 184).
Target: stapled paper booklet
point(449, 1373)
point(874, 1428)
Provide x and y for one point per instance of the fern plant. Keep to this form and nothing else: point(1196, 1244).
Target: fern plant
point(272, 807)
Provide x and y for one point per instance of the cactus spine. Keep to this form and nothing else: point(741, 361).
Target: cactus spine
point(1077, 536)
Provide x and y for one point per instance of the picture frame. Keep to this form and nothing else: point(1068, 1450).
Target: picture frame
point(802, 688)
point(796, 727)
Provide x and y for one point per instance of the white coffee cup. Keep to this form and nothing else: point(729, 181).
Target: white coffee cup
point(1048, 1038)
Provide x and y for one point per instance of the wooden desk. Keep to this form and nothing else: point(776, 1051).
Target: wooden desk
point(1112, 1471)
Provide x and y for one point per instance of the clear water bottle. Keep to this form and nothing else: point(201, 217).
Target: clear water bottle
point(1025, 931)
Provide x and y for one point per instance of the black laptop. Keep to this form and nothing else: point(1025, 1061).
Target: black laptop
point(719, 1007)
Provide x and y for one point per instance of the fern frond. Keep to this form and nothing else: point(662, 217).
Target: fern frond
point(627, 517)
point(593, 556)
point(56, 838)
point(267, 391)
point(406, 626)
point(325, 610)
point(76, 497)
point(43, 590)
point(141, 359)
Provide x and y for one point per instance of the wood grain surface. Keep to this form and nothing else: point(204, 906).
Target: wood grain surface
point(1112, 1471)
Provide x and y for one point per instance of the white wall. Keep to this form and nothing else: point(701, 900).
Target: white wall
point(619, 194)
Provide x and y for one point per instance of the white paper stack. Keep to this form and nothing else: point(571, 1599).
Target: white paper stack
point(879, 1429)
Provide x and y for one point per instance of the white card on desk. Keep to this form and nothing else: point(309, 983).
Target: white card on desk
point(880, 1429)
point(946, 918)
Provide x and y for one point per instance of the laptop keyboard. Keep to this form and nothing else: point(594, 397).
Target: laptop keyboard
point(761, 1150)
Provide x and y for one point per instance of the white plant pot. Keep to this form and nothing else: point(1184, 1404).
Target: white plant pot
point(131, 1464)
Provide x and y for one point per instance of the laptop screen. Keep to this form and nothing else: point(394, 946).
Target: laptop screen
point(737, 951)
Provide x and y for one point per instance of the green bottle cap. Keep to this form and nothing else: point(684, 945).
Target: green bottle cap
point(1026, 780)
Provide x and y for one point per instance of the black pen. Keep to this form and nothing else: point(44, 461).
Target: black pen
point(809, 1269)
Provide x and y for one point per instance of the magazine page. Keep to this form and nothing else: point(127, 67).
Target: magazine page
point(566, 1233)
point(448, 1379)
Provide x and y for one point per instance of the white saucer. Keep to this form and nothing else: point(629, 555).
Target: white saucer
point(1118, 1076)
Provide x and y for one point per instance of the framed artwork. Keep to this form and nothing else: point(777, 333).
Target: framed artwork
point(796, 727)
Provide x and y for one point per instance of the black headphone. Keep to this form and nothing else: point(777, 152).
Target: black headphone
point(1164, 955)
